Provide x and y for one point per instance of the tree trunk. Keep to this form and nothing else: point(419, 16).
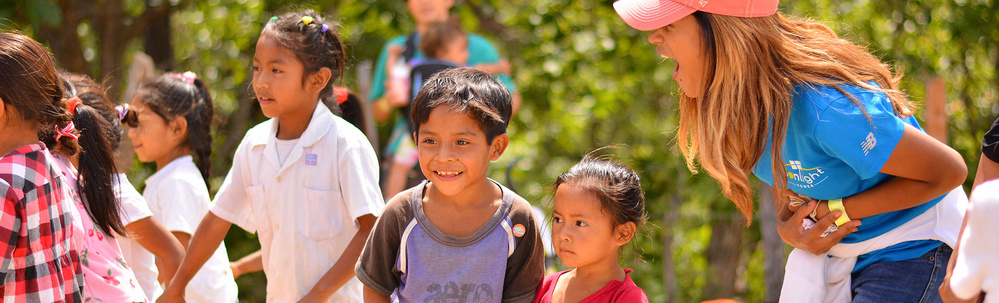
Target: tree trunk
point(669, 268)
point(773, 246)
point(723, 257)
point(156, 40)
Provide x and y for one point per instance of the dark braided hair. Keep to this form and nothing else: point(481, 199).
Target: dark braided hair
point(171, 96)
point(30, 85)
point(314, 47)
point(96, 162)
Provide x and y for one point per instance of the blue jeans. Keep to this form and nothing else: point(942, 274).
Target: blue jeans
point(914, 280)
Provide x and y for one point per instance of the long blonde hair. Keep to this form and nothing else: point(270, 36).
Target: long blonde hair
point(752, 66)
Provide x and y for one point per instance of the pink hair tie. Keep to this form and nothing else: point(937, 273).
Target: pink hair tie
point(186, 77)
point(67, 131)
point(341, 94)
point(122, 111)
point(72, 103)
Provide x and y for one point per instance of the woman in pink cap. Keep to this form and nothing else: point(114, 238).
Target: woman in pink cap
point(850, 149)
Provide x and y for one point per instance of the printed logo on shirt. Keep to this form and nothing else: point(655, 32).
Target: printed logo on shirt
point(311, 159)
point(803, 177)
point(452, 292)
point(869, 143)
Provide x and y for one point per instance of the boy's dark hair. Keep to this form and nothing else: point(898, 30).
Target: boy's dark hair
point(96, 163)
point(438, 37)
point(171, 96)
point(466, 90)
point(616, 185)
point(30, 85)
point(313, 46)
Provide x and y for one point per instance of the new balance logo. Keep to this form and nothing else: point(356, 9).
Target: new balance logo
point(869, 143)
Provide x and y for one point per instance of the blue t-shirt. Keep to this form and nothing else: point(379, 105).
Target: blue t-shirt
point(832, 150)
point(479, 51)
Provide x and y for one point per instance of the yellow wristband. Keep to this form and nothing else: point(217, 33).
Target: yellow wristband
point(837, 204)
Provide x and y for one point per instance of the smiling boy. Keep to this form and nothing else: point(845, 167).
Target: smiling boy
point(459, 235)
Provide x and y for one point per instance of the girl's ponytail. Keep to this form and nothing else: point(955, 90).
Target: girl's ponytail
point(96, 162)
point(97, 170)
point(199, 123)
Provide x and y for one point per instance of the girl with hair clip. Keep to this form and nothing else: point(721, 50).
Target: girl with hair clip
point(41, 261)
point(144, 231)
point(821, 120)
point(170, 119)
point(598, 207)
point(91, 171)
point(305, 181)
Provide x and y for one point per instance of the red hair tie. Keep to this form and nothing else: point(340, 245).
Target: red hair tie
point(72, 103)
point(341, 94)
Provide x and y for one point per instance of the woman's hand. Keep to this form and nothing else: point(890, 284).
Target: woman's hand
point(789, 226)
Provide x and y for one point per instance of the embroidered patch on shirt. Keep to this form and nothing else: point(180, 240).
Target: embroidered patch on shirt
point(519, 231)
point(311, 159)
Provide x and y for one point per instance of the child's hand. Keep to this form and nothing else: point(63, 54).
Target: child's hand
point(789, 226)
point(172, 295)
point(312, 297)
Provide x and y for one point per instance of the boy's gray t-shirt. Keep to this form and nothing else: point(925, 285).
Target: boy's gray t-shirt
point(406, 254)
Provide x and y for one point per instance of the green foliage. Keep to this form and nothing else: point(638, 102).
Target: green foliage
point(587, 81)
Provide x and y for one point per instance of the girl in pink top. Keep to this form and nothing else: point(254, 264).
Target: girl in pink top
point(599, 205)
point(89, 174)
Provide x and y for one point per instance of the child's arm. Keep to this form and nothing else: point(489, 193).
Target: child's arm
point(371, 296)
point(251, 263)
point(382, 108)
point(205, 241)
point(155, 238)
point(525, 268)
point(500, 67)
point(343, 270)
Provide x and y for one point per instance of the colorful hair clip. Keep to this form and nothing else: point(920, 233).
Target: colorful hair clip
point(274, 18)
point(66, 131)
point(186, 77)
point(72, 103)
point(325, 28)
point(341, 94)
point(122, 111)
point(306, 20)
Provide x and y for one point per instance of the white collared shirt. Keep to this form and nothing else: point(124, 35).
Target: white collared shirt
point(304, 211)
point(179, 199)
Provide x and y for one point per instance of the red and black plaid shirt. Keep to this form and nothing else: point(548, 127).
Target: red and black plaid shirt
point(40, 263)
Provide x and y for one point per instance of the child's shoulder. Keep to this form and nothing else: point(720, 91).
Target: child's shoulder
point(399, 205)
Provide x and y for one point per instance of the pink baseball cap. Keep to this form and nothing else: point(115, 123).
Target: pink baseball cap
point(648, 15)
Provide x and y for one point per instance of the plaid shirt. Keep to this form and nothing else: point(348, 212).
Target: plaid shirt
point(40, 263)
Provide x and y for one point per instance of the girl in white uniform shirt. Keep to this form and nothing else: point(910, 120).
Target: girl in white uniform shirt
point(170, 119)
point(305, 181)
